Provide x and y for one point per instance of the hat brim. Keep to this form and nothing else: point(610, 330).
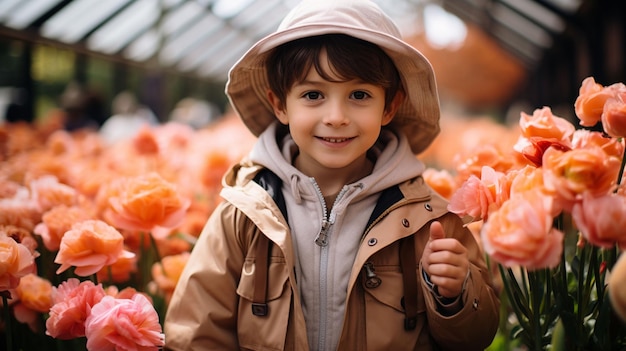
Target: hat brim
point(417, 116)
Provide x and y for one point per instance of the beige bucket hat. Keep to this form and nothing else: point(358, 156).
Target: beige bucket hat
point(417, 117)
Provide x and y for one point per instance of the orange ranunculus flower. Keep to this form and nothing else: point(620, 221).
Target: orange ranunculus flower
point(441, 181)
point(543, 124)
point(590, 102)
point(145, 202)
point(583, 139)
point(532, 149)
point(35, 293)
point(489, 155)
point(540, 131)
point(20, 211)
point(89, 246)
point(614, 116)
point(145, 141)
point(520, 232)
point(531, 178)
point(119, 271)
point(167, 272)
point(602, 219)
point(72, 302)
point(16, 261)
point(572, 173)
point(124, 324)
point(48, 193)
point(56, 222)
point(477, 197)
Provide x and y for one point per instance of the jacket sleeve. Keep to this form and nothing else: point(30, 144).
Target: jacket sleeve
point(202, 312)
point(475, 325)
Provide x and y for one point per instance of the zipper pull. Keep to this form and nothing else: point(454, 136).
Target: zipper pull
point(322, 237)
point(371, 279)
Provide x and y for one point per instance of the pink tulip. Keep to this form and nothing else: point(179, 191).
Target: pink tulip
point(124, 324)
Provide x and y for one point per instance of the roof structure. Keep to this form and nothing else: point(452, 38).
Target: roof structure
point(207, 36)
point(470, 42)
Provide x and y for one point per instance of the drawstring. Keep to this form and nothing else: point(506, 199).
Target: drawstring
point(295, 190)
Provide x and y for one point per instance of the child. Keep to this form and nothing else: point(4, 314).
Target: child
point(328, 238)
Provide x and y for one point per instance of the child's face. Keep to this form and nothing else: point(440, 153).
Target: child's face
point(333, 123)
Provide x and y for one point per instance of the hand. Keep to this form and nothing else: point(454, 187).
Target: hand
point(445, 260)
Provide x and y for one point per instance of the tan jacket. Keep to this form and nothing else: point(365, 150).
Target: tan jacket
point(212, 306)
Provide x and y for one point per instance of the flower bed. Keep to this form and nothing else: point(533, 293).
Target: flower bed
point(93, 237)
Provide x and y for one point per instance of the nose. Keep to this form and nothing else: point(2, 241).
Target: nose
point(335, 114)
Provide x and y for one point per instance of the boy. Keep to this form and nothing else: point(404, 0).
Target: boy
point(328, 238)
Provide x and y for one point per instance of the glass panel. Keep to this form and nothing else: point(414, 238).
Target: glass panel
point(28, 12)
point(125, 27)
point(78, 18)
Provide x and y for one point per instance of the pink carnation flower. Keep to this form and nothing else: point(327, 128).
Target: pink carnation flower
point(72, 303)
point(124, 324)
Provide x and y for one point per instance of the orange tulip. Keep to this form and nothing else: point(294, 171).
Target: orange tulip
point(89, 246)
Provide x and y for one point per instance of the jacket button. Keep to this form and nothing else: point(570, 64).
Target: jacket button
point(372, 241)
point(428, 207)
point(405, 222)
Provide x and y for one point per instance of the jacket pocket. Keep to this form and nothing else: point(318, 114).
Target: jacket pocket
point(385, 317)
point(264, 332)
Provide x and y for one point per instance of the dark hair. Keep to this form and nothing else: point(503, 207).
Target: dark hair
point(349, 58)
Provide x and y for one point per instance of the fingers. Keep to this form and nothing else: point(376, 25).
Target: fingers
point(436, 231)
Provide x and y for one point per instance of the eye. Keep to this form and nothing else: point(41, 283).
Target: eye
point(312, 95)
point(360, 95)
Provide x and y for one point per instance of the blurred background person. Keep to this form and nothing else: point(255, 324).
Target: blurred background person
point(127, 118)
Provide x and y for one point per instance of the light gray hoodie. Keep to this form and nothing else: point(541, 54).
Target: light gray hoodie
point(323, 269)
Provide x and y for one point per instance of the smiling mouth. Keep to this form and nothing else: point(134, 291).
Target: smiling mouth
point(335, 140)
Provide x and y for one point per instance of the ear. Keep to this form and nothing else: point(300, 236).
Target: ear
point(278, 107)
point(393, 107)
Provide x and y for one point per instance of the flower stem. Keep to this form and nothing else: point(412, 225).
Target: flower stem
point(621, 170)
point(536, 288)
point(7, 315)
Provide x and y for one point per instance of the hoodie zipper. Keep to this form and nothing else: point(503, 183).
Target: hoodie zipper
point(322, 241)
